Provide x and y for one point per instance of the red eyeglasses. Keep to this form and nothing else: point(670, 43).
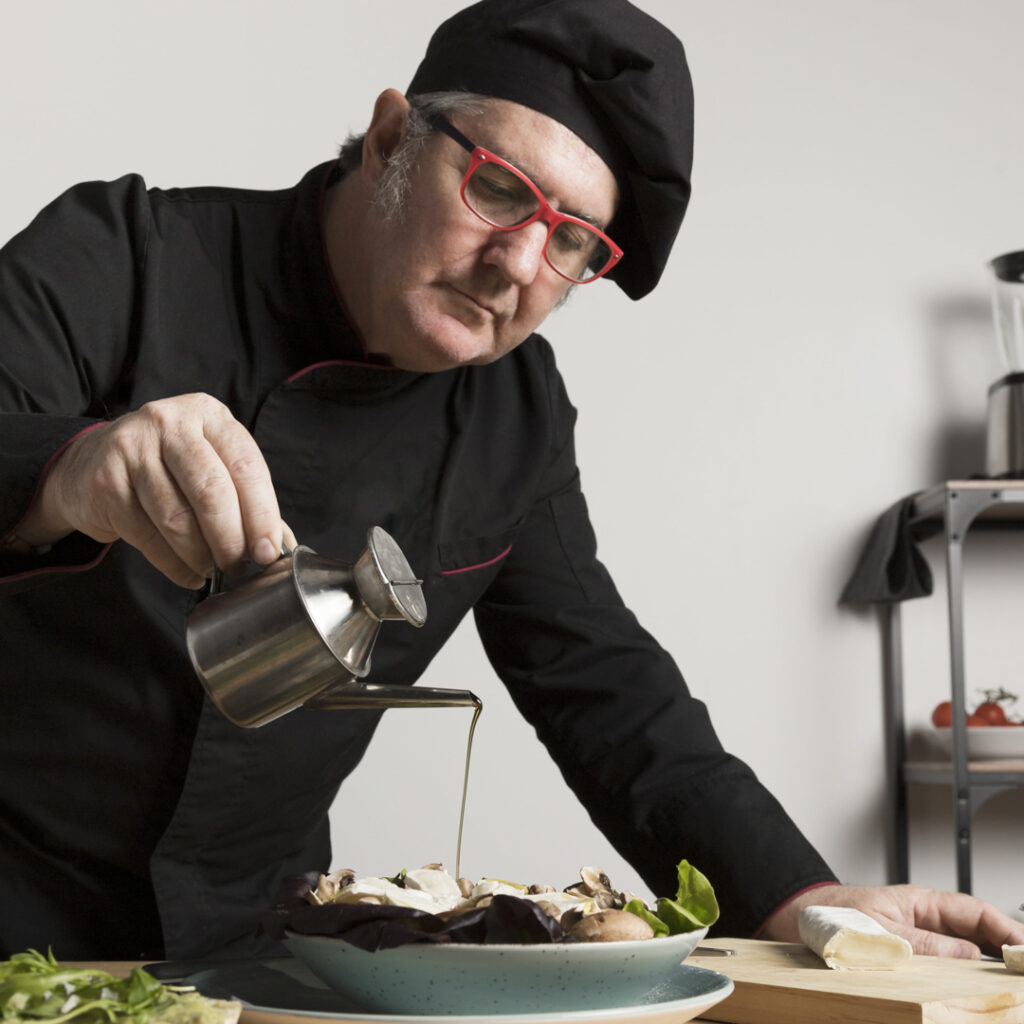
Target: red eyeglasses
point(502, 196)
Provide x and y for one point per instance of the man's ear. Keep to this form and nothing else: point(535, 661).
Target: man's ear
point(383, 137)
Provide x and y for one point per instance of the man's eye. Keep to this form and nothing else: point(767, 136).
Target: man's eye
point(492, 185)
point(493, 189)
point(573, 238)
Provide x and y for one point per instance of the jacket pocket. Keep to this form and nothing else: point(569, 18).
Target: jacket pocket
point(474, 554)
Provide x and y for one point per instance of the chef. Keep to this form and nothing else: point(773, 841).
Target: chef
point(192, 378)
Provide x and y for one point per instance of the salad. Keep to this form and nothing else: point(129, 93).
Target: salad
point(428, 905)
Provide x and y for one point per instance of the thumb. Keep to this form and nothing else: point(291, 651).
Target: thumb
point(289, 537)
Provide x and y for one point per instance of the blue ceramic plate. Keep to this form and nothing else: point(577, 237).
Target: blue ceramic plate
point(467, 978)
point(285, 990)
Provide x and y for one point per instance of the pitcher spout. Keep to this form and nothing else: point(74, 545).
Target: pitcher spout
point(353, 694)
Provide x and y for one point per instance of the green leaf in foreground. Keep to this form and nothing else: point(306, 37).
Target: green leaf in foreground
point(36, 988)
point(695, 905)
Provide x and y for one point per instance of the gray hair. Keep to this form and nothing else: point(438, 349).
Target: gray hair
point(392, 190)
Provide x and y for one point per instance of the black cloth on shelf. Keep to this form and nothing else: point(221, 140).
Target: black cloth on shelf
point(891, 566)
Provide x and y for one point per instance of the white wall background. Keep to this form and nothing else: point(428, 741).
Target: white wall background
point(819, 348)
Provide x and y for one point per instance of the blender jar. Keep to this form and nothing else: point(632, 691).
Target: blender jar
point(1004, 450)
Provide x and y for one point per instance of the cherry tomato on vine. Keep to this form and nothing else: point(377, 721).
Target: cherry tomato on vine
point(991, 712)
point(942, 716)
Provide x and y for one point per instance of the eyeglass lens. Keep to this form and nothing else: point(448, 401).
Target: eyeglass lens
point(504, 199)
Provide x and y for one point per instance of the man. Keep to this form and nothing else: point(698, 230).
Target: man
point(191, 378)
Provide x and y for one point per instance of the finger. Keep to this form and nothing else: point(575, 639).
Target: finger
point(136, 528)
point(210, 511)
point(927, 943)
point(171, 518)
point(182, 483)
point(289, 537)
point(959, 914)
point(257, 500)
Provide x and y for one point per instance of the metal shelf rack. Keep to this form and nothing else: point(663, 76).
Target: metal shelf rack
point(960, 505)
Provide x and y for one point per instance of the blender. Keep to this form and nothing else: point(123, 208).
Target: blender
point(1004, 448)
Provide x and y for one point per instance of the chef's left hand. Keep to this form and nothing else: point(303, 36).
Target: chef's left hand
point(935, 923)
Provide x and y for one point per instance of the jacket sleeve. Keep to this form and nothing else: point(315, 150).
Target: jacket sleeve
point(67, 287)
point(635, 746)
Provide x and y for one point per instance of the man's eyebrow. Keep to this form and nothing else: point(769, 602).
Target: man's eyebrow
point(442, 124)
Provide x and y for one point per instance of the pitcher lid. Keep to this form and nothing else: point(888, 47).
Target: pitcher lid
point(403, 587)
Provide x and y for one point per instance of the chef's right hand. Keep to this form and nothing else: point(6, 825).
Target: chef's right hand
point(180, 479)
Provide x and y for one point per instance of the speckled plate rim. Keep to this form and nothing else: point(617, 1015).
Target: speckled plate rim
point(680, 945)
point(657, 1011)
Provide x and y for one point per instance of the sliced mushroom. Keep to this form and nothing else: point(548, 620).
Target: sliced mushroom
point(611, 926)
point(595, 880)
point(605, 900)
point(536, 890)
point(465, 887)
point(328, 886)
point(325, 889)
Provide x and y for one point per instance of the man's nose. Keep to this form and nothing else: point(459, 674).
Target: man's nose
point(519, 254)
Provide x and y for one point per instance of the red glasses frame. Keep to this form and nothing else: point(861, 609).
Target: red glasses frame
point(545, 211)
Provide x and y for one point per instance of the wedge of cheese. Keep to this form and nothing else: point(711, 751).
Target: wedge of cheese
point(1013, 957)
point(848, 940)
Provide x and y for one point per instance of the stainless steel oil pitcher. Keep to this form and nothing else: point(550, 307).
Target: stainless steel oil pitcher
point(303, 629)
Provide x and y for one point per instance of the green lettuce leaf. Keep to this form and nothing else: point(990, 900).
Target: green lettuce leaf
point(695, 905)
point(36, 988)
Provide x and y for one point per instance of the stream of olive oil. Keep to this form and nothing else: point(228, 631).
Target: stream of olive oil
point(477, 708)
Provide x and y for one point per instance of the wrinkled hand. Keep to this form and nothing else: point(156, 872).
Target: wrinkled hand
point(935, 923)
point(180, 479)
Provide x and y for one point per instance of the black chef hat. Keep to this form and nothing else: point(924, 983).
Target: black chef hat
point(608, 72)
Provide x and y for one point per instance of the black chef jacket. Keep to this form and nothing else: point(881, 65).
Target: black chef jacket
point(134, 819)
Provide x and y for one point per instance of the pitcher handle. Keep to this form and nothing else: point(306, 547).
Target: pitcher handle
point(217, 579)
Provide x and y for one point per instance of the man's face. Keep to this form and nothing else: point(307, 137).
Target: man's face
point(444, 289)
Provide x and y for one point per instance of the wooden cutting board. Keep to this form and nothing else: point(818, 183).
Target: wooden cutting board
point(785, 983)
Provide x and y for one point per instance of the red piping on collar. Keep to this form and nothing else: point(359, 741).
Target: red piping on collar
point(340, 362)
